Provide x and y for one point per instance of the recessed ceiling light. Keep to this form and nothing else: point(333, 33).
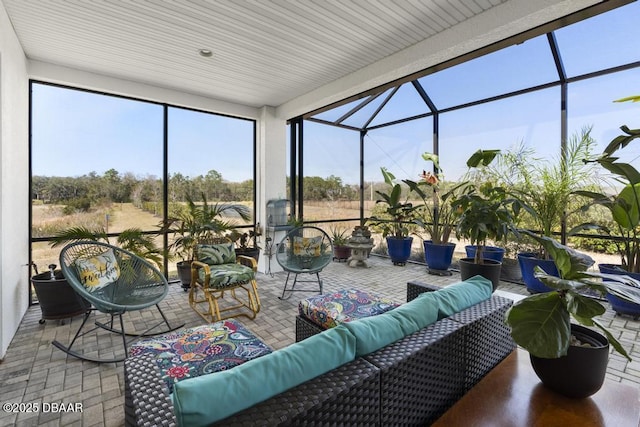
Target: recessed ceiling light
point(206, 53)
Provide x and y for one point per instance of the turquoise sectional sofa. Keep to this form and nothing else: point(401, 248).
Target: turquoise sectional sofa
point(406, 366)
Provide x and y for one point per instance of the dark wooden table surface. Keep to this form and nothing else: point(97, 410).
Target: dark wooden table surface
point(512, 395)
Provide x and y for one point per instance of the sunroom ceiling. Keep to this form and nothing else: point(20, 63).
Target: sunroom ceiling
point(263, 52)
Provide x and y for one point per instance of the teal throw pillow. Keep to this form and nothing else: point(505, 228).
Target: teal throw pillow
point(209, 398)
point(459, 296)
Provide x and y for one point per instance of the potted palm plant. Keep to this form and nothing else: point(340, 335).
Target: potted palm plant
point(624, 207)
point(483, 213)
point(569, 358)
point(545, 191)
point(399, 214)
point(434, 217)
point(194, 222)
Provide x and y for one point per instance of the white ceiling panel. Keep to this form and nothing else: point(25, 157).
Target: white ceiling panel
point(265, 52)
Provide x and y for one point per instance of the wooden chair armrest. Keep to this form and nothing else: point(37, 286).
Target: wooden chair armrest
point(195, 277)
point(248, 261)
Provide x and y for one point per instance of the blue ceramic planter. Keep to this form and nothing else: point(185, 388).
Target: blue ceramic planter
point(399, 249)
point(619, 305)
point(489, 252)
point(527, 262)
point(438, 257)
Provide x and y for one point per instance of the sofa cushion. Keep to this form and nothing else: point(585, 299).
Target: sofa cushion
point(459, 296)
point(189, 353)
point(375, 332)
point(209, 398)
point(224, 275)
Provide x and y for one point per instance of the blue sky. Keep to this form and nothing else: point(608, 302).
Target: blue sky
point(96, 130)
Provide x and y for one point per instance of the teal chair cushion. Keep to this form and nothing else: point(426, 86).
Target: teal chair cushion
point(224, 275)
point(209, 398)
point(221, 253)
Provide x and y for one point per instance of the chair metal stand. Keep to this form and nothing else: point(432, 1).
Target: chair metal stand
point(292, 289)
point(109, 327)
point(304, 250)
point(115, 282)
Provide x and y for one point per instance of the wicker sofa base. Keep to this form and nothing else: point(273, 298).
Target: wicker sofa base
point(410, 382)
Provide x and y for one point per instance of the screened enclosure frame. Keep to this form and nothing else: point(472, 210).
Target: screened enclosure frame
point(387, 91)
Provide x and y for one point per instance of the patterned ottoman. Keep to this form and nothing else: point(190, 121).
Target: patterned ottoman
point(321, 312)
point(192, 352)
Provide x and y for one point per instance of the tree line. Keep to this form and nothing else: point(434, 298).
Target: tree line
point(113, 186)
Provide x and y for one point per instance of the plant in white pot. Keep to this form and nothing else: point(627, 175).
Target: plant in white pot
point(569, 358)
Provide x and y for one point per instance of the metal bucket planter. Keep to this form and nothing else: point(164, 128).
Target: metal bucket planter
point(57, 298)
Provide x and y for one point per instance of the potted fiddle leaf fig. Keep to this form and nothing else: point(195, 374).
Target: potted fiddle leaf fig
point(569, 358)
point(483, 213)
point(399, 213)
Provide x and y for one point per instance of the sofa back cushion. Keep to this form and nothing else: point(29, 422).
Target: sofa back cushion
point(460, 296)
point(206, 399)
point(373, 333)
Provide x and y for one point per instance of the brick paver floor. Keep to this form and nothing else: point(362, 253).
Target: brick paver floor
point(34, 372)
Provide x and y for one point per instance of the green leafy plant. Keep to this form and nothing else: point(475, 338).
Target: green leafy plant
point(133, 240)
point(398, 209)
point(200, 220)
point(339, 236)
point(544, 189)
point(483, 210)
point(435, 216)
point(623, 206)
point(541, 323)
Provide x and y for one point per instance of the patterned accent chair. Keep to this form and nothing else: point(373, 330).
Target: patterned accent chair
point(218, 271)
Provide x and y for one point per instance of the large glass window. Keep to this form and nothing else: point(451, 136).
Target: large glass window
point(331, 172)
point(516, 67)
point(529, 119)
point(96, 163)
